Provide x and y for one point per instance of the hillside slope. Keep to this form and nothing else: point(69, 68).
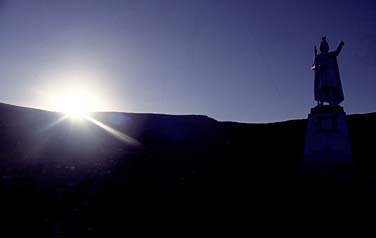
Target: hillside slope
point(71, 176)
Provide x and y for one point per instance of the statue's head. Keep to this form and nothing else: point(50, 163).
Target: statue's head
point(324, 46)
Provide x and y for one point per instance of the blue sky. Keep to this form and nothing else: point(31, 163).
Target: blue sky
point(229, 59)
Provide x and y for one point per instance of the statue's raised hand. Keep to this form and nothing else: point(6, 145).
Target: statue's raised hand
point(341, 43)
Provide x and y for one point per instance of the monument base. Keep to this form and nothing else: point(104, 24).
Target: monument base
point(327, 149)
point(327, 138)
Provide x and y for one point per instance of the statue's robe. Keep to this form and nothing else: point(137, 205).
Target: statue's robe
point(328, 86)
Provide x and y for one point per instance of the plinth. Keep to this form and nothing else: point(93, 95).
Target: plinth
point(327, 149)
point(327, 137)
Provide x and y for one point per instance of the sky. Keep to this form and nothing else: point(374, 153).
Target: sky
point(233, 60)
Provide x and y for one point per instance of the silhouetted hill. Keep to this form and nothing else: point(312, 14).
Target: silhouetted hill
point(72, 178)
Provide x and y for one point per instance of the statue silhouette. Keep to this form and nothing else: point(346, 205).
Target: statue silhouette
point(328, 86)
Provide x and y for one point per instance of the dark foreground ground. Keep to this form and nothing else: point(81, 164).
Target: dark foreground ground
point(74, 179)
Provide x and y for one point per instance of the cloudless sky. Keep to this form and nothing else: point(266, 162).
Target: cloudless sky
point(229, 59)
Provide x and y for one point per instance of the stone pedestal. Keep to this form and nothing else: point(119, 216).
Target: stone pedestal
point(327, 138)
point(327, 152)
point(327, 166)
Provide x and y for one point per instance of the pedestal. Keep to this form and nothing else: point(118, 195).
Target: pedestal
point(327, 138)
point(327, 151)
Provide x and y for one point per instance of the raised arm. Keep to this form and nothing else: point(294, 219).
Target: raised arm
point(339, 48)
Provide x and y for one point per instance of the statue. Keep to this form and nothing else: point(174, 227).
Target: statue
point(328, 86)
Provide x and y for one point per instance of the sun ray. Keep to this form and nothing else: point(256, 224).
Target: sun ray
point(115, 133)
point(58, 121)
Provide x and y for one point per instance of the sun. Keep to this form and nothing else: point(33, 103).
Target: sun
point(76, 102)
point(79, 99)
point(74, 92)
point(75, 107)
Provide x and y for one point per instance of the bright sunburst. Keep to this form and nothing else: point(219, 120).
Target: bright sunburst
point(76, 106)
point(75, 102)
point(74, 92)
point(76, 98)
